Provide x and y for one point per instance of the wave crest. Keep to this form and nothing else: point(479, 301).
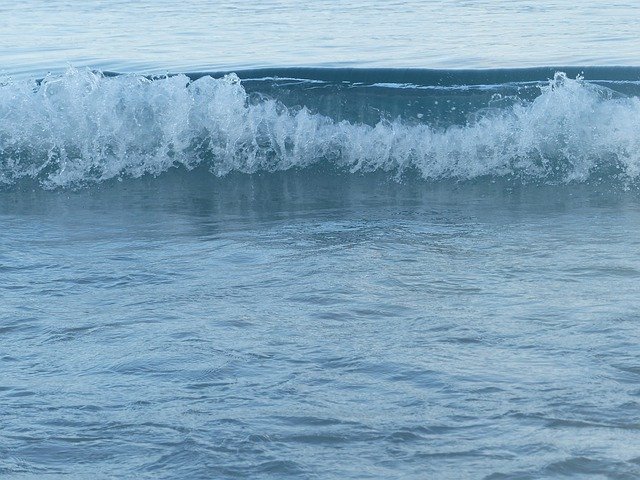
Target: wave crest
point(84, 127)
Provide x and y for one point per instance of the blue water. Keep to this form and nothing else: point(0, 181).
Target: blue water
point(319, 240)
point(199, 35)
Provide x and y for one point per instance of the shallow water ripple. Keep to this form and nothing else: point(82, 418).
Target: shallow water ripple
point(447, 332)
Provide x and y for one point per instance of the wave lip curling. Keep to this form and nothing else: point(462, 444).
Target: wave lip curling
point(83, 127)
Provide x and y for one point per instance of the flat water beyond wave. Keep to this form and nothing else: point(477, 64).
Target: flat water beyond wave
point(159, 36)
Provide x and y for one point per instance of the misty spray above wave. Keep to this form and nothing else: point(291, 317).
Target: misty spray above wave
point(84, 127)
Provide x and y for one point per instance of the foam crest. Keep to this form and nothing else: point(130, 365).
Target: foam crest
point(83, 127)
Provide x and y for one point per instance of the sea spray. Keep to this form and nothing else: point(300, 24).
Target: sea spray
point(84, 127)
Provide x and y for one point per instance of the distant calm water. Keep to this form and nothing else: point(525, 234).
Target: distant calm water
point(295, 259)
point(197, 35)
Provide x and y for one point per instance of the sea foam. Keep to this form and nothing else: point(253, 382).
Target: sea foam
point(83, 127)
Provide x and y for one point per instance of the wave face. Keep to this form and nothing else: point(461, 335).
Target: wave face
point(85, 127)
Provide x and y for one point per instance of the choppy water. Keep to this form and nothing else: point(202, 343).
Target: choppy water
point(263, 267)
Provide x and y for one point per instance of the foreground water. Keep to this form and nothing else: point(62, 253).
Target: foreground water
point(319, 326)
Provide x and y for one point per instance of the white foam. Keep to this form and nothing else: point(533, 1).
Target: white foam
point(83, 127)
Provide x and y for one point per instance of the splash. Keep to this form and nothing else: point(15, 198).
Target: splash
point(83, 127)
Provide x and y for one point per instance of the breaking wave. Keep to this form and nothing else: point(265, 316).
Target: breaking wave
point(85, 127)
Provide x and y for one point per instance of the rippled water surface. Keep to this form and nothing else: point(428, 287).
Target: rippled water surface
point(344, 271)
point(160, 36)
point(330, 327)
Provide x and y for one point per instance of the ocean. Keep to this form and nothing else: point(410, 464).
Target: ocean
point(323, 240)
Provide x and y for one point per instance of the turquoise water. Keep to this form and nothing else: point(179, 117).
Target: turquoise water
point(338, 241)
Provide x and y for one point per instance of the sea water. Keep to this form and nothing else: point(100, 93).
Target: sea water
point(319, 240)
